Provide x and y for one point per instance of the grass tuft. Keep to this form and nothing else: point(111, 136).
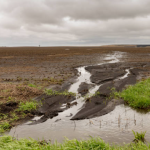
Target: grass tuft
point(137, 96)
point(4, 127)
point(27, 106)
point(32, 85)
point(139, 137)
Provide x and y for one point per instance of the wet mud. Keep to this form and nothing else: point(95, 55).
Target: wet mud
point(110, 76)
point(51, 106)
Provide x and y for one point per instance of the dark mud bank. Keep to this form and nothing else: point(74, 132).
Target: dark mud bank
point(109, 76)
point(51, 106)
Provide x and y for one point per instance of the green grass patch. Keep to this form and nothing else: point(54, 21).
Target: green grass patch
point(35, 86)
point(136, 96)
point(27, 106)
point(32, 85)
point(4, 127)
point(139, 137)
point(10, 119)
point(10, 143)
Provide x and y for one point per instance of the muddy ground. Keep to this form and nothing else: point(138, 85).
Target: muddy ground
point(108, 76)
point(54, 67)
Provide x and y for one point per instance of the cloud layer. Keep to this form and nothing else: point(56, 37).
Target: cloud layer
point(74, 22)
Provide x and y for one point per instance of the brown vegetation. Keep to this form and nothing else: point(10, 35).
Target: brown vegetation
point(16, 103)
point(12, 92)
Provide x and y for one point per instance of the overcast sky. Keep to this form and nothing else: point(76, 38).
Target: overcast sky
point(74, 22)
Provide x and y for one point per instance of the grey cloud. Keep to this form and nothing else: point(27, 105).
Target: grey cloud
point(53, 11)
point(71, 22)
point(100, 9)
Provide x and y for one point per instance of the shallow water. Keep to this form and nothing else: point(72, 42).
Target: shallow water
point(115, 127)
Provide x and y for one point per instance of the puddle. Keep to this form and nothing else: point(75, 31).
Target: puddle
point(115, 127)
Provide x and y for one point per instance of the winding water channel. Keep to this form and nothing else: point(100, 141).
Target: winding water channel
point(114, 127)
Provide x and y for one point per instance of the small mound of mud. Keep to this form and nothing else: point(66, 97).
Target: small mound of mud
point(8, 107)
point(84, 88)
